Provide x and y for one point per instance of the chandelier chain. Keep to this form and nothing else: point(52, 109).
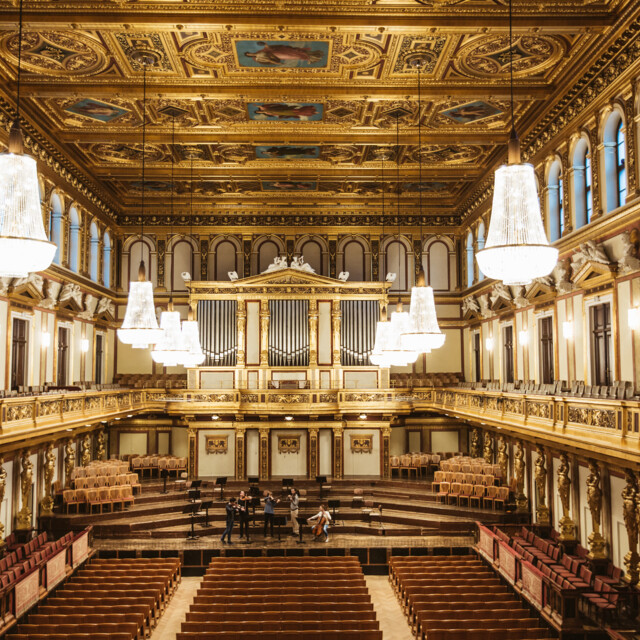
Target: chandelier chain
point(19, 61)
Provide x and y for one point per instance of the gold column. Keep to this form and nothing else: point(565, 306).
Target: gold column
point(567, 526)
point(313, 332)
point(48, 470)
point(338, 444)
point(26, 482)
point(313, 452)
point(488, 448)
point(503, 458)
point(86, 450)
point(100, 450)
point(335, 327)
point(69, 464)
point(192, 435)
point(264, 453)
point(385, 450)
point(629, 514)
point(596, 541)
point(240, 448)
point(3, 486)
point(540, 474)
point(241, 319)
point(519, 470)
point(264, 332)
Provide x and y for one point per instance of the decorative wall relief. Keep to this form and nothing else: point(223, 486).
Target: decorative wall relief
point(362, 443)
point(217, 444)
point(289, 443)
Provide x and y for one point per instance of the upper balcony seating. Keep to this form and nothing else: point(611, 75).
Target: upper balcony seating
point(152, 381)
point(48, 388)
point(425, 379)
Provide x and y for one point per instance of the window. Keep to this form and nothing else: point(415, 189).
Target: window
point(19, 348)
point(93, 252)
point(545, 333)
point(470, 258)
point(477, 369)
point(74, 239)
point(554, 201)
point(621, 172)
point(582, 197)
point(106, 260)
point(63, 356)
point(480, 246)
point(99, 357)
point(601, 343)
point(55, 226)
point(587, 188)
point(507, 353)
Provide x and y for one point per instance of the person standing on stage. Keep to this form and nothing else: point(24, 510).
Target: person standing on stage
point(294, 500)
point(231, 509)
point(323, 517)
point(244, 502)
point(269, 504)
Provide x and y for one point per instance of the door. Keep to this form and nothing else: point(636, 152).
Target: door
point(507, 353)
point(19, 354)
point(601, 344)
point(545, 327)
point(63, 357)
point(98, 358)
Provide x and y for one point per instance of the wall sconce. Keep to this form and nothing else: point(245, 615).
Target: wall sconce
point(45, 339)
point(634, 318)
point(363, 416)
point(288, 418)
point(84, 345)
point(523, 337)
point(567, 330)
point(488, 343)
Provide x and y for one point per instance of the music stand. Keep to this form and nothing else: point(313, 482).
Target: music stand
point(196, 484)
point(254, 492)
point(280, 521)
point(223, 483)
point(253, 480)
point(301, 519)
point(164, 474)
point(193, 495)
point(192, 510)
point(206, 506)
point(333, 505)
point(321, 480)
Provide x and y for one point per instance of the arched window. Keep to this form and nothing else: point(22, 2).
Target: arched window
point(437, 259)
point(74, 239)
point(397, 263)
point(106, 260)
point(621, 171)
point(354, 260)
point(480, 245)
point(554, 201)
point(55, 226)
point(181, 261)
point(94, 251)
point(311, 251)
point(470, 258)
point(267, 253)
point(582, 196)
point(224, 260)
point(138, 250)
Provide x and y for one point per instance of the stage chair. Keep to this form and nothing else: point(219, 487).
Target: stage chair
point(454, 494)
point(93, 499)
point(478, 494)
point(443, 492)
point(115, 496)
point(502, 496)
point(465, 494)
point(490, 496)
point(394, 465)
point(438, 477)
point(69, 499)
point(358, 498)
point(105, 498)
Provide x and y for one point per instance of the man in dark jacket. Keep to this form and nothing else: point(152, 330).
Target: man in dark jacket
point(269, 503)
point(244, 502)
point(231, 509)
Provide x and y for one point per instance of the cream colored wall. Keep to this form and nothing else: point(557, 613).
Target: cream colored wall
point(360, 379)
point(164, 439)
point(133, 360)
point(620, 542)
point(579, 332)
point(7, 504)
point(133, 443)
point(397, 442)
point(586, 525)
point(444, 441)
point(361, 464)
point(288, 464)
point(179, 442)
point(253, 333)
point(252, 447)
point(449, 357)
point(216, 464)
point(324, 447)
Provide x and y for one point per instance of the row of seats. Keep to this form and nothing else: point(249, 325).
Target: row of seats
point(101, 498)
point(115, 599)
point(458, 598)
point(277, 598)
point(96, 468)
point(425, 379)
point(471, 495)
point(155, 464)
point(152, 380)
point(484, 479)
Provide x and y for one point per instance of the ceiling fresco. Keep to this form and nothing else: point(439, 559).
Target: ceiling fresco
point(273, 101)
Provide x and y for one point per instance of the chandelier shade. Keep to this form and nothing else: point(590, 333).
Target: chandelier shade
point(191, 335)
point(394, 352)
point(377, 356)
point(24, 246)
point(424, 334)
point(170, 349)
point(517, 249)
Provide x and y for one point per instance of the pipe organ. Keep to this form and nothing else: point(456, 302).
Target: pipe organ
point(287, 318)
point(359, 318)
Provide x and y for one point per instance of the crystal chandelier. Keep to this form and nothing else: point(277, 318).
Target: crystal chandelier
point(423, 334)
point(517, 249)
point(140, 325)
point(190, 329)
point(394, 351)
point(24, 246)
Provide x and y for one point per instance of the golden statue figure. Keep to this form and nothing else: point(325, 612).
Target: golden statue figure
point(26, 484)
point(567, 526)
point(519, 468)
point(542, 511)
point(476, 450)
point(503, 458)
point(49, 466)
point(597, 544)
point(100, 451)
point(69, 464)
point(3, 487)
point(630, 517)
point(488, 448)
point(86, 450)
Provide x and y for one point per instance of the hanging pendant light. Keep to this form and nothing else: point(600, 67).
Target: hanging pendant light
point(140, 325)
point(171, 348)
point(24, 246)
point(190, 328)
point(517, 249)
point(424, 333)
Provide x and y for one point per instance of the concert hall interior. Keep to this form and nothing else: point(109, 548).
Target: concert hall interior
point(321, 318)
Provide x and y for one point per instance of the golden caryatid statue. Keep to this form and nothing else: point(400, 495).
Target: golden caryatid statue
point(503, 458)
point(26, 485)
point(567, 526)
point(86, 450)
point(597, 544)
point(476, 448)
point(69, 464)
point(542, 511)
point(100, 450)
point(3, 487)
point(630, 514)
point(49, 467)
point(519, 469)
point(488, 448)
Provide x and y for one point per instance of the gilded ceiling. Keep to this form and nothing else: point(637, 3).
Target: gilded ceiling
point(282, 101)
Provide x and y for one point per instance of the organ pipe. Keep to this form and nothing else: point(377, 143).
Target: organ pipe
point(359, 319)
point(289, 333)
point(218, 331)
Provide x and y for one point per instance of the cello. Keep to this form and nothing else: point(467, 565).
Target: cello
point(317, 528)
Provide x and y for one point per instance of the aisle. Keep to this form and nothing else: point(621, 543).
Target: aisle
point(393, 622)
point(174, 614)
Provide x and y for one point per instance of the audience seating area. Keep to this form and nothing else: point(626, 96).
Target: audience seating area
point(50, 389)
point(152, 380)
point(425, 379)
point(155, 464)
point(277, 598)
point(108, 599)
point(459, 598)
